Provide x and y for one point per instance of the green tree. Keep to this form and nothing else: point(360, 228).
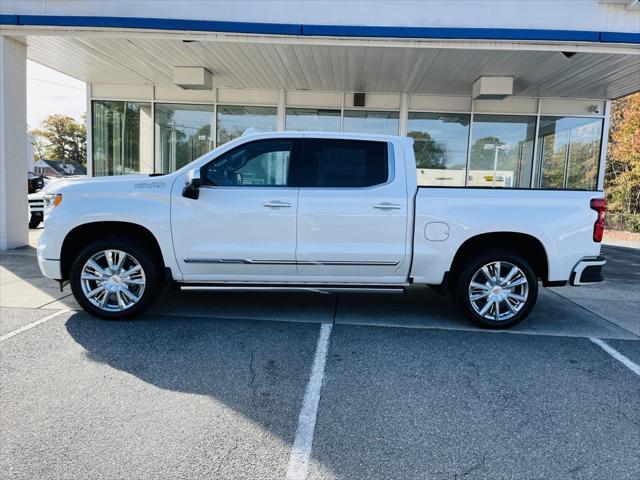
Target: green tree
point(63, 138)
point(622, 175)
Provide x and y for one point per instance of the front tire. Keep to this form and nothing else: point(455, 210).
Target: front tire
point(496, 289)
point(116, 278)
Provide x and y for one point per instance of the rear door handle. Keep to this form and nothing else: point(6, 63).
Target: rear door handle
point(387, 206)
point(276, 204)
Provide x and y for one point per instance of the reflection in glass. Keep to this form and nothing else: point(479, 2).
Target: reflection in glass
point(312, 120)
point(183, 133)
point(364, 121)
point(122, 137)
point(440, 145)
point(501, 151)
point(233, 121)
point(569, 152)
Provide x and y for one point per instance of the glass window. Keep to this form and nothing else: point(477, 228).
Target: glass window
point(263, 163)
point(183, 133)
point(233, 121)
point(501, 151)
point(569, 152)
point(122, 137)
point(334, 163)
point(440, 145)
point(313, 120)
point(364, 121)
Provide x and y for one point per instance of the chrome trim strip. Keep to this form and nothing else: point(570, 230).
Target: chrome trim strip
point(246, 261)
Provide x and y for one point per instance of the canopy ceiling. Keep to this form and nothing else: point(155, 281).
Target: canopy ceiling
point(334, 67)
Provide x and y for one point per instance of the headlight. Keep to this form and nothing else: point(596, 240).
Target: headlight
point(52, 201)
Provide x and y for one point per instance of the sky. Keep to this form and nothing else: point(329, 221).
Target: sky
point(50, 92)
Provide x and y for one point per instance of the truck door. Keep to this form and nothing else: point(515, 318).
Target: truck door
point(243, 225)
point(352, 211)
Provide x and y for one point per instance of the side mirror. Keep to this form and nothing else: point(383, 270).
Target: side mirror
point(192, 184)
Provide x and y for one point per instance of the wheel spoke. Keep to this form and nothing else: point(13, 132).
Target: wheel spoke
point(108, 255)
point(496, 304)
point(121, 303)
point(105, 298)
point(517, 282)
point(511, 274)
point(519, 298)
point(510, 307)
point(121, 259)
point(95, 292)
point(486, 307)
point(97, 268)
point(496, 272)
point(480, 286)
point(487, 274)
point(89, 276)
point(475, 298)
point(130, 295)
point(134, 281)
point(131, 271)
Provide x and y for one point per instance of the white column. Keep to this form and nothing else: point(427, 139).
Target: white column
point(13, 144)
point(404, 114)
point(89, 129)
point(604, 144)
point(282, 99)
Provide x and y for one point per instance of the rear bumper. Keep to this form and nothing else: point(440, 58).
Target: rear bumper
point(588, 270)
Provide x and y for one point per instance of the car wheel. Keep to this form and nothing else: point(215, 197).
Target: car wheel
point(116, 278)
point(497, 289)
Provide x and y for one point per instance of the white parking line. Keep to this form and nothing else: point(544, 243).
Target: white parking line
point(299, 459)
point(29, 326)
point(634, 367)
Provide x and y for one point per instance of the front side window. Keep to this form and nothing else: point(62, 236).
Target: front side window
point(501, 151)
point(440, 145)
point(335, 163)
point(263, 163)
point(183, 133)
point(122, 137)
point(569, 152)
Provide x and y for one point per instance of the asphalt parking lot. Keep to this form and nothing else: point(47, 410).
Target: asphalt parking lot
point(213, 386)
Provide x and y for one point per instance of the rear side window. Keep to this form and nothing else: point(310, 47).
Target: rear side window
point(334, 163)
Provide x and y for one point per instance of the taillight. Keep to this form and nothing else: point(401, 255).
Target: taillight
point(599, 205)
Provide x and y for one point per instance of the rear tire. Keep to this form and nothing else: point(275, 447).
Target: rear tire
point(116, 278)
point(496, 289)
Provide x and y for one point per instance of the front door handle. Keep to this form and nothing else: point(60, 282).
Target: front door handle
point(387, 206)
point(276, 204)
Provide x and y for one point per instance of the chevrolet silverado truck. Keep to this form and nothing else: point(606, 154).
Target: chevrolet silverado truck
point(321, 211)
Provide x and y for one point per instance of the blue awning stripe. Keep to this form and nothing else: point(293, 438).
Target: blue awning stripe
point(355, 31)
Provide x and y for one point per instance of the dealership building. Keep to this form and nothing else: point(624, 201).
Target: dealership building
point(496, 94)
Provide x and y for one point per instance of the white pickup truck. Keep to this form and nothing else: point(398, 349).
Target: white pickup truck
point(326, 211)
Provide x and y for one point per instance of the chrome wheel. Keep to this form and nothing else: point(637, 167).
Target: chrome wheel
point(113, 280)
point(498, 291)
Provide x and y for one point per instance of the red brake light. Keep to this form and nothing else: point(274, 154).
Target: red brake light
point(599, 205)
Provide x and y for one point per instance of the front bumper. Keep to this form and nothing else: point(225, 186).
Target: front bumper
point(50, 267)
point(587, 270)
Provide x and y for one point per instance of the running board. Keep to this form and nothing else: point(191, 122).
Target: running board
point(295, 288)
